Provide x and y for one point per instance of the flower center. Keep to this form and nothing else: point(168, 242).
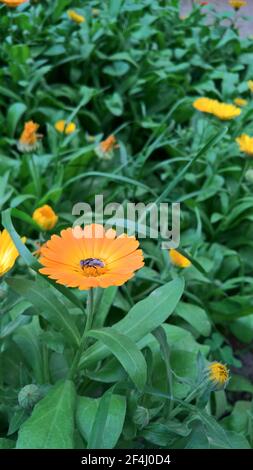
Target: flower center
point(92, 267)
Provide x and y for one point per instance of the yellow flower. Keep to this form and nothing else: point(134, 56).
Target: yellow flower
point(64, 127)
point(205, 105)
point(13, 3)
point(28, 140)
point(45, 217)
point(218, 374)
point(95, 11)
point(222, 111)
point(245, 143)
point(179, 260)
point(8, 252)
point(75, 17)
point(236, 4)
point(250, 85)
point(240, 102)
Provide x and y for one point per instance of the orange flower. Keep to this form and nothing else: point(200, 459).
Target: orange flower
point(106, 147)
point(45, 217)
point(29, 138)
point(179, 260)
point(13, 3)
point(91, 257)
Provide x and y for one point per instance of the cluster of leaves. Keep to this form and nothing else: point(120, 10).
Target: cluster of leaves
point(132, 69)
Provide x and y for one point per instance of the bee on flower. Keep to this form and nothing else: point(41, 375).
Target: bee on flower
point(8, 252)
point(45, 217)
point(179, 260)
point(105, 148)
point(65, 127)
point(29, 139)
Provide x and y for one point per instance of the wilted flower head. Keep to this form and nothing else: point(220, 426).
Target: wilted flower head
point(245, 143)
point(218, 374)
point(13, 3)
point(106, 147)
point(179, 260)
point(8, 252)
point(236, 4)
point(29, 138)
point(240, 102)
point(74, 16)
point(65, 127)
point(45, 217)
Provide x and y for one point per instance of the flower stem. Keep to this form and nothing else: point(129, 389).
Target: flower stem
point(84, 339)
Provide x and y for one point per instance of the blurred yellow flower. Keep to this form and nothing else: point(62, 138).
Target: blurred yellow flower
point(240, 102)
point(95, 11)
point(8, 252)
point(205, 105)
point(222, 111)
point(218, 374)
point(28, 140)
point(75, 17)
point(236, 4)
point(245, 143)
point(13, 3)
point(250, 85)
point(45, 217)
point(179, 260)
point(64, 127)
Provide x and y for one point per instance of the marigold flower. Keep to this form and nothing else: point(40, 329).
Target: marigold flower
point(106, 147)
point(13, 3)
point(75, 17)
point(245, 143)
point(179, 260)
point(218, 374)
point(250, 85)
point(240, 102)
point(90, 257)
point(236, 4)
point(222, 111)
point(8, 252)
point(64, 127)
point(45, 217)
point(29, 138)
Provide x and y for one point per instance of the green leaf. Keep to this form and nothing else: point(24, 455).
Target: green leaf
point(49, 306)
point(196, 316)
point(51, 425)
point(143, 318)
point(127, 353)
point(15, 112)
point(6, 443)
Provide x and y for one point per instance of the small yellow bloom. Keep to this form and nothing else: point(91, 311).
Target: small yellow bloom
point(13, 3)
point(95, 11)
point(222, 111)
point(218, 374)
point(75, 17)
point(45, 217)
point(29, 138)
point(240, 102)
point(106, 147)
point(64, 127)
point(250, 85)
point(245, 143)
point(179, 260)
point(236, 4)
point(8, 252)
